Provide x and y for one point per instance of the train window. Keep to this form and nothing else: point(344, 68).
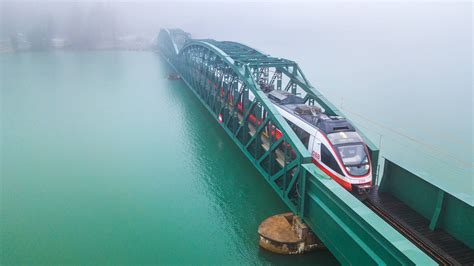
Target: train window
point(300, 133)
point(328, 159)
point(304, 137)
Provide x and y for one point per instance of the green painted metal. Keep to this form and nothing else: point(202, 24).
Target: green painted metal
point(223, 75)
point(442, 209)
point(437, 210)
point(297, 81)
point(346, 226)
point(456, 218)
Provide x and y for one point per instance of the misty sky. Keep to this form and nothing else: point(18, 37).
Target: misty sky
point(425, 43)
point(413, 57)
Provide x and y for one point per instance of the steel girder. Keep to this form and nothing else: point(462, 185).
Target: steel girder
point(245, 55)
point(222, 85)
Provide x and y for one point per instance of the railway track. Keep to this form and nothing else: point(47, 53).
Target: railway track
point(435, 254)
point(437, 244)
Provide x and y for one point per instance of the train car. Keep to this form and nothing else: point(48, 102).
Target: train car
point(336, 147)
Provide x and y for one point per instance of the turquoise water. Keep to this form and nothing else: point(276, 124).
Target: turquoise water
point(105, 161)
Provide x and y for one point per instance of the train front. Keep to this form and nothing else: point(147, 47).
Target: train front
point(354, 159)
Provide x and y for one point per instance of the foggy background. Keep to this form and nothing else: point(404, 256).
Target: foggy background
point(404, 65)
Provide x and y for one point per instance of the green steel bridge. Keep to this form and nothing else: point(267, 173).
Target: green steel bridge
point(355, 232)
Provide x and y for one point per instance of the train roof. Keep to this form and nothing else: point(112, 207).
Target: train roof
point(313, 115)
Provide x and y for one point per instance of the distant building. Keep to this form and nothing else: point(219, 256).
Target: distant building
point(6, 45)
point(58, 43)
point(134, 42)
point(20, 42)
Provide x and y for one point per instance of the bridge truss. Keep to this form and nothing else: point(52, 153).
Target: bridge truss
point(230, 80)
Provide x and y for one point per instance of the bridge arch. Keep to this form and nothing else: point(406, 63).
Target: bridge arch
point(235, 99)
point(243, 71)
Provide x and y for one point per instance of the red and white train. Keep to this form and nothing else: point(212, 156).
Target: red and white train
point(336, 147)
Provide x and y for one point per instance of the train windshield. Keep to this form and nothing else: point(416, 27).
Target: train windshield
point(352, 150)
point(355, 158)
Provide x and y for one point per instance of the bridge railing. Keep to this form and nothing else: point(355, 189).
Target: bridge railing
point(352, 232)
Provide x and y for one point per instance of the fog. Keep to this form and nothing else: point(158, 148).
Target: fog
point(281, 23)
point(403, 56)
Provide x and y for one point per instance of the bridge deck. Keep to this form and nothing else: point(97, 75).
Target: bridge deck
point(440, 245)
